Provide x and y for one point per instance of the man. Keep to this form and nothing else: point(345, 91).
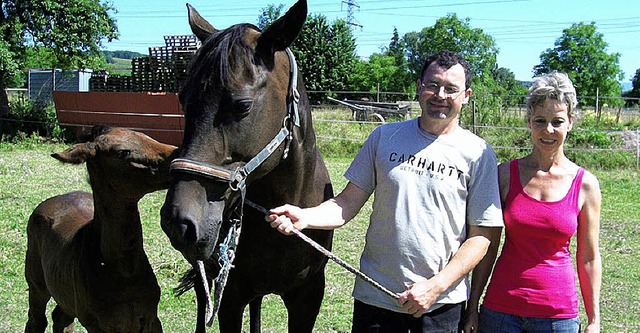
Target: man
point(435, 212)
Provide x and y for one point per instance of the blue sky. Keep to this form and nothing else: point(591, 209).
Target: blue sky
point(522, 29)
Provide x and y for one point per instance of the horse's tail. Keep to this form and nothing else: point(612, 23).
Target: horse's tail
point(186, 282)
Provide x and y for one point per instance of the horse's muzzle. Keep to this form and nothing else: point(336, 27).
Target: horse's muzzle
point(191, 223)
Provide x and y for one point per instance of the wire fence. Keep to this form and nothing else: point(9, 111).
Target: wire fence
point(338, 123)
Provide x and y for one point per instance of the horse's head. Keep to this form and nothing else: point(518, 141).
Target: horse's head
point(239, 114)
point(122, 160)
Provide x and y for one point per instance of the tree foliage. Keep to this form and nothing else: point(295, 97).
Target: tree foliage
point(120, 54)
point(325, 52)
point(635, 84)
point(387, 71)
point(379, 73)
point(269, 14)
point(69, 32)
point(581, 52)
point(453, 34)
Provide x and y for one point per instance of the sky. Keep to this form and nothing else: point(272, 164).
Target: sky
point(522, 29)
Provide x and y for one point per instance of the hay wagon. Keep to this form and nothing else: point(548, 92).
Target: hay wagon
point(374, 111)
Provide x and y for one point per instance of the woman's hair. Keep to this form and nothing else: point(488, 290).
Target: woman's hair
point(556, 86)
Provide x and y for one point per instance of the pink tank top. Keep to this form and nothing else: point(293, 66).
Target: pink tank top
point(534, 275)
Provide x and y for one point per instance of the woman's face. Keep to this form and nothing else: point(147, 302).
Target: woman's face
point(550, 124)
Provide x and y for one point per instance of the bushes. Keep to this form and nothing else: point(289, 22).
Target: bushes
point(28, 118)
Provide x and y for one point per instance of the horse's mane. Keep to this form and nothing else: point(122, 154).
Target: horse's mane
point(225, 49)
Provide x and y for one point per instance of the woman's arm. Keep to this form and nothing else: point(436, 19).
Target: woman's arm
point(588, 260)
point(482, 271)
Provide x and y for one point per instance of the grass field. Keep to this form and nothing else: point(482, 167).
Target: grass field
point(28, 176)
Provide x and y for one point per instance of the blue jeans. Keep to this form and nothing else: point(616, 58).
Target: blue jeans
point(499, 322)
point(372, 319)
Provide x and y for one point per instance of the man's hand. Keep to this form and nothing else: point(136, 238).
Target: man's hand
point(419, 297)
point(285, 218)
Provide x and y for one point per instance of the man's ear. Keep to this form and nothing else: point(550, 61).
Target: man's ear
point(467, 95)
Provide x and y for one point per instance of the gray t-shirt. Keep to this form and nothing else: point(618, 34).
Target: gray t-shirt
point(427, 190)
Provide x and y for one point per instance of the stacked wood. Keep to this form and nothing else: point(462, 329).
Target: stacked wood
point(163, 70)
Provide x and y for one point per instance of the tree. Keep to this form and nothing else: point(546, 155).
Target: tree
point(70, 32)
point(401, 80)
point(326, 54)
point(451, 33)
point(508, 87)
point(581, 52)
point(378, 72)
point(635, 84)
point(396, 49)
point(269, 14)
point(341, 56)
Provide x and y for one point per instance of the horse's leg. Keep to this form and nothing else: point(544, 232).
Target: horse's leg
point(39, 295)
point(255, 314)
point(37, 322)
point(234, 300)
point(303, 304)
point(62, 321)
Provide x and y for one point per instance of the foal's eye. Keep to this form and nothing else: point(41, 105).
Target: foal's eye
point(244, 105)
point(123, 153)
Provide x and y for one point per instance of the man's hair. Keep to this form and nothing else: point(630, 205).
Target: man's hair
point(447, 59)
point(555, 85)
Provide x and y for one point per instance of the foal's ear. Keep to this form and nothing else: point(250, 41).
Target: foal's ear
point(199, 26)
point(76, 154)
point(284, 31)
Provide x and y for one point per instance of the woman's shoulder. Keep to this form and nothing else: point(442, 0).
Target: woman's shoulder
point(590, 183)
point(504, 178)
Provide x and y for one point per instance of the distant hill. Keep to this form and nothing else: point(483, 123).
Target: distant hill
point(110, 55)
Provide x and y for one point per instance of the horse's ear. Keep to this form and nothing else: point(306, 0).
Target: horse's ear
point(199, 26)
point(76, 154)
point(284, 31)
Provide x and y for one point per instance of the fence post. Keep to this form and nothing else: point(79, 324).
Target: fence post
point(637, 147)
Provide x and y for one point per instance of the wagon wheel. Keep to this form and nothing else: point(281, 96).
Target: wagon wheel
point(376, 117)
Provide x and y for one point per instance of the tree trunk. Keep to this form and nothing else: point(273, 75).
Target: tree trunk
point(4, 107)
point(4, 101)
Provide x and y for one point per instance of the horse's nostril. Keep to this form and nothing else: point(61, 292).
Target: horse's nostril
point(188, 231)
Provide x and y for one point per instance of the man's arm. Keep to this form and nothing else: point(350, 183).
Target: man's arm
point(330, 214)
point(419, 297)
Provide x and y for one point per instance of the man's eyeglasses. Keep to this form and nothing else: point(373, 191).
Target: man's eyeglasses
point(449, 92)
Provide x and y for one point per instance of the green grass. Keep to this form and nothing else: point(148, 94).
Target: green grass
point(28, 176)
point(120, 67)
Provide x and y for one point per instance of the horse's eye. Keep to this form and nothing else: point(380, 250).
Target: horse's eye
point(244, 106)
point(122, 154)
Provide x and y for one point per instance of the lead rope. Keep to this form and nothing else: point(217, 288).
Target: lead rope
point(329, 255)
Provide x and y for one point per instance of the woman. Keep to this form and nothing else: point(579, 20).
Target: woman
point(546, 198)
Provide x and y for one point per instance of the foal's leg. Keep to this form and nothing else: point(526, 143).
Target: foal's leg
point(38, 293)
point(62, 321)
point(303, 304)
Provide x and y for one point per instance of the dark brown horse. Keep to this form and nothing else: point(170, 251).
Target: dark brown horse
point(86, 250)
point(246, 127)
